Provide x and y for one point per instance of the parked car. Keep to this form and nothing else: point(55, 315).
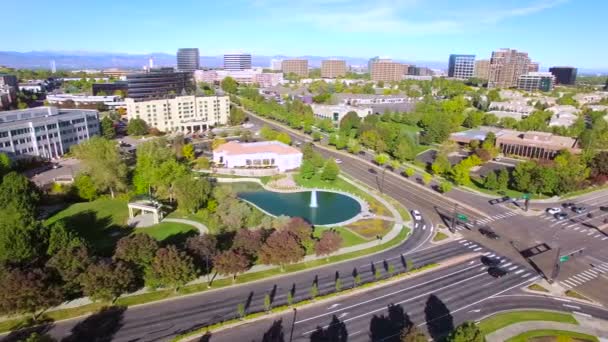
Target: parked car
point(497, 272)
point(338, 161)
point(492, 262)
point(554, 211)
point(579, 210)
point(561, 216)
point(603, 208)
point(416, 214)
point(568, 205)
point(489, 233)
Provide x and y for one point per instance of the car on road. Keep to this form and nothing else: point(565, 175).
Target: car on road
point(56, 166)
point(492, 262)
point(416, 214)
point(489, 233)
point(554, 211)
point(579, 210)
point(497, 272)
point(604, 208)
point(568, 205)
point(338, 161)
point(561, 216)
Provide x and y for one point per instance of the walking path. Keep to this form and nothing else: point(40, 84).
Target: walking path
point(201, 227)
point(586, 325)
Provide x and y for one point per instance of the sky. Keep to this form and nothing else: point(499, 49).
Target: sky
point(553, 32)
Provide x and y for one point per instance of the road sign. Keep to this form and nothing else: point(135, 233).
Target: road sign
point(564, 258)
point(462, 217)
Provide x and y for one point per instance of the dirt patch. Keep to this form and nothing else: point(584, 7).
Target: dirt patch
point(370, 228)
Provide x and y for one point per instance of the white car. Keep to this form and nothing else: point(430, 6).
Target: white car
point(338, 161)
point(416, 215)
point(554, 211)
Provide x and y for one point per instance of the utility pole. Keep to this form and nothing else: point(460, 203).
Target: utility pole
point(556, 265)
point(453, 225)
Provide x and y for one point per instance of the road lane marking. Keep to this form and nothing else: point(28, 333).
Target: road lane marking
point(518, 272)
point(477, 249)
point(572, 306)
point(512, 268)
point(562, 299)
point(582, 314)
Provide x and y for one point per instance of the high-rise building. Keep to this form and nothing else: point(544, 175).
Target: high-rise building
point(369, 63)
point(533, 67)
point(295, 66)
point(461, 66)
point(387, 71)
point(182, 113)
point(564, 74)
point(482, 69)
point(159, 84)
point(8, 80)
point(237, 61)
point(333, 68)
point(533, 81)
point(506, 65)
point(275, 64)
point(187, 59)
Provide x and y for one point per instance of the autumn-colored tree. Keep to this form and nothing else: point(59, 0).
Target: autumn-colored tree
point(188, 152)
point(170, 268)
point(28, 291)
point(301, 229)
point(70, 263)
point(248, 241)
point(203, 248)
point(282, 247)
point(138, 249)
point(106, 280)
point(329, 242)
point(231, 263)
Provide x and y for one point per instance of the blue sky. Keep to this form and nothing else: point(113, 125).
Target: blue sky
point(554, 32)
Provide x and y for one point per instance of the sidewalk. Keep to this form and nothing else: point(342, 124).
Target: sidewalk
point(590, 326)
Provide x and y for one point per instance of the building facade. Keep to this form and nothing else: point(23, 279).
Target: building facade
point(533, 67)
point(159, 84)
point(564, 75)
point(461, 66)
point(182, 113)
point(333, 68)
point(275, 64)
point(337, 112)
point(295, 66)
point(533, 81)
point(482, 69)
point(237, 61)
point(46, 132)
point(257, 155)
point(8, 80)
point(506, 65)
point(387, 71)
point(250, 76)
point(110, 88)
point(187, 59)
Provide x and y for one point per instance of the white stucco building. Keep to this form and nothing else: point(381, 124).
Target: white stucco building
point(337, 112)
point(258, 154)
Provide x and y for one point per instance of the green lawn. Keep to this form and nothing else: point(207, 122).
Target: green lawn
point(559, 335)
point(101, 222)
point(439, 236)
point(170, 232)
point(502, 320)
point(348, 238)
point(476, 184)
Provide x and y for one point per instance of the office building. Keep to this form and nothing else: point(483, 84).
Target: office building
point(181, 113)
point(250, 76)
point(84, 101)
point(534, 81)
point(159, 84)
point(295, 66)
point(506, 65)
point(333, 68)
point(46, 132)
point(117, 88)
point(533, 67)
point(461, 66)
point(275, 64)
point(187, 59)
point(387, 71)
point(564, 74)
point(117, 73)
point(257, 155)
point(9, 80)
point(482, 69)
point(337, 112)
point(370, 62)
point(237, 61)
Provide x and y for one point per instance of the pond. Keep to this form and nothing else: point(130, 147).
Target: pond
point(331, 207)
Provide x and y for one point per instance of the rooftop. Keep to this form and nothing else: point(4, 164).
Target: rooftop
point(236, 148)
point(34, 113)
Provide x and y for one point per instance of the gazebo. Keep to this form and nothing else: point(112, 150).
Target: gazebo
point(146, 205)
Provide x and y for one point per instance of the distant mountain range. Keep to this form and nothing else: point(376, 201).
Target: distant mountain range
point(74, 60)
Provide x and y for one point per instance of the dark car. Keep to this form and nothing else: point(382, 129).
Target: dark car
point(603, 208)
point(579, 210)
point(489, 233)
point(567, 205)
point(497, 272)
point(561, 216)
point(492, 262)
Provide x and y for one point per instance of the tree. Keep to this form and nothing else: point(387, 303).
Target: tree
point(406, 149)
point(248, 241)
point(426, 178)
point(70, 262)
point(102, 162)
point(445, 187)
point(137, 126)
point(203, 248)
point(460, 174)
point(188, 152)
point(329, 242)
point(106, 281)
point(27, 291)
point(409, 172)
point(229, 85)
point(330, 171)
point(170, 268)
point(18, 193)
point(107, 128)
point(307, 169)
point(5, 164)
point(237, 116)
point(413, 334)
point(231, 262)
point(232, 213)
point(349, 122)
point(202, 163)
point(300, 229)
point(284, 138)
point(281, 248)
point(138, 249)
point(382, 159)
point(61, 237)
point(191, 193)
point(490, 182)
point(316, 136)
point(441, 165)
point(21, 236)
point(157, 168)
point(503, 180)
point(474, 119)
point(466, 332)
point(84, 187)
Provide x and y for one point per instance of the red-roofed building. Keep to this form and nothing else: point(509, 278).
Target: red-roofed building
point(258, 154)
